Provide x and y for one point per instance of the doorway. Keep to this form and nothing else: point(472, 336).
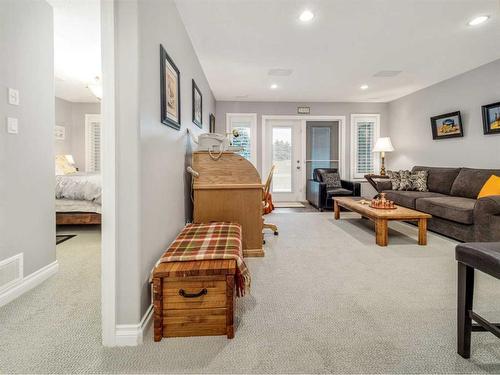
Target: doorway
point(282, 147)
point(298, 144)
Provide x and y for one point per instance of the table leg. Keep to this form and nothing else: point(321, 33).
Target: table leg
point(381, 232)
point(422, 231)
point(336, 210)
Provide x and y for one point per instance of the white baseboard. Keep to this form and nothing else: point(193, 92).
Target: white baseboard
point(132, 334)
point(28, 283)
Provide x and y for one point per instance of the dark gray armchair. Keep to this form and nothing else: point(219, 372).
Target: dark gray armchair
point(322, 198)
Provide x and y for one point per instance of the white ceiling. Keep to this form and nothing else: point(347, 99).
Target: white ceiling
point(77, 48)
point(347, 42)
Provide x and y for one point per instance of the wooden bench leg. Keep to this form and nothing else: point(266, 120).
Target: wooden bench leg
point(336, 210)
point(381, 232)
point(230, 297)
point(464, 306)
point(158, 308)
point(422, 231)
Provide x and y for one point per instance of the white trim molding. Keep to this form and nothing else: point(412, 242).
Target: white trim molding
point(133, 334)
point(375, 117)
point(109, 209)
point(29, 282)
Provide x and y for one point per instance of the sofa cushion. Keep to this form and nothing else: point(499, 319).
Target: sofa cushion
point(318, 173)
point(458, 209)
point(337, 191)
point(408, 198)
point(439, 180)
point(469, 181)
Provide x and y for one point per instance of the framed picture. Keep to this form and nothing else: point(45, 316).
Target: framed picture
point(491, 118)
point(448, 125)
point(170, 89)
point(197, 105)
point(212, 123)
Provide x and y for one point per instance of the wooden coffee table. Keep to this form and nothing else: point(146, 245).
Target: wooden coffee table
point(381, 217)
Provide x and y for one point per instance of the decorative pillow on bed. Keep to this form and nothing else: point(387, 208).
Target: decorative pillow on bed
point(332, 180)
point(63, 166)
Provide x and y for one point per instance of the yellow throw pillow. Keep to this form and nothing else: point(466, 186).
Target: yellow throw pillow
point(490, 187)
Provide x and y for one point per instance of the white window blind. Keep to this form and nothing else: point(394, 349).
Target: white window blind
point(365, 131)
point(246, 124)
point(92, 143)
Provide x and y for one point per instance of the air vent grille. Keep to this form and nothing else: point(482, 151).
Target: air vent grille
point(11, 271)
point(280, 72)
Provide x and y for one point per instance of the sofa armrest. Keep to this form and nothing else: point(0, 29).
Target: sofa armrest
point(487, 206)
point(487, 219)
point(316, 193)
point(355, 187)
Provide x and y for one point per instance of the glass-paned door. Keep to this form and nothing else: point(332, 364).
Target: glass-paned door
point(282, 148)
point(322, 146)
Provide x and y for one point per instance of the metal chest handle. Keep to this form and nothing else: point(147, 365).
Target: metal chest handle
point(183, 293)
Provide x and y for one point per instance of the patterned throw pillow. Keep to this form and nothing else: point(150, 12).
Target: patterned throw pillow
point(332, 180)
point(395, 179)
point(419, 180)
point(406, 182)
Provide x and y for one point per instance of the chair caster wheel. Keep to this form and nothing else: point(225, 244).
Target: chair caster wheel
point(276, 233)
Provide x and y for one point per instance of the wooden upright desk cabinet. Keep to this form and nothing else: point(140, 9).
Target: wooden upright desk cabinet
point(229, 189)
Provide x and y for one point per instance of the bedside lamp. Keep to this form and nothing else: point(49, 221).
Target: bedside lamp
point(383, 145)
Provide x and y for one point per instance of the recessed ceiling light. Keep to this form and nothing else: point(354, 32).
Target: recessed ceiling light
point(274, 86)
point(306, 16)
point(364, 87)
point(478, 20)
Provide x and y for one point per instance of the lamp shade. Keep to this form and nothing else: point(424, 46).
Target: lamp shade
point(383, 144)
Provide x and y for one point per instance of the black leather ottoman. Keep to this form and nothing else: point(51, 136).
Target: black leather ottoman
point(485, 257)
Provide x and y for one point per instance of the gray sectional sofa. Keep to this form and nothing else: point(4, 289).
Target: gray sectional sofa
point(451, 200)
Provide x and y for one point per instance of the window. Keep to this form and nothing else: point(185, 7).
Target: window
point(93, 143)
point(364, 132)
point(246, 125)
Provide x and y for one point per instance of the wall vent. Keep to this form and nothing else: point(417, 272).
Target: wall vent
point(11, 272)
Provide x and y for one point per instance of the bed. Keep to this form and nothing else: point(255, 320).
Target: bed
point(78, 198)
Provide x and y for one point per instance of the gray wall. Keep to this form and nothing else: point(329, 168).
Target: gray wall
point(27, 219)
point(290, 108)
point(151, 164)
point(410, 128)
point(72, 117)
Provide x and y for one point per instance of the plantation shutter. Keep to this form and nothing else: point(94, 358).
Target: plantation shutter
point(365, 140)
point(93, 143)
point(365, 132)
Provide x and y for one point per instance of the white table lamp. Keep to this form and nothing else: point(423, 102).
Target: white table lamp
point(383, 145)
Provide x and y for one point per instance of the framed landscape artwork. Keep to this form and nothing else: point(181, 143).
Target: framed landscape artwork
point(212, 123)
point(197, 105)
point(170, 90)
point(448, 125)
point(491, 118)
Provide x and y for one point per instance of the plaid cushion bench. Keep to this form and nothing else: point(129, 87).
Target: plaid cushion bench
point(194, 282)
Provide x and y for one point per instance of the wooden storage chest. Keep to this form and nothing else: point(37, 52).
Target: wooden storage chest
point(194, 298)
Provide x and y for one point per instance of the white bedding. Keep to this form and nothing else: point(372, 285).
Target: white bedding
point(79, 187)
point(68, 205)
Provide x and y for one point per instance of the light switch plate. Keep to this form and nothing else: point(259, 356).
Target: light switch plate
point(13, 96)
point(12, 125)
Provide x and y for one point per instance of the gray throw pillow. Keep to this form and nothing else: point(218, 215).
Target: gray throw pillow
point(332, 180)
point(406, 180)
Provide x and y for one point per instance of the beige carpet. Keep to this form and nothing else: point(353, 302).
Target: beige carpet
point(325, 299)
